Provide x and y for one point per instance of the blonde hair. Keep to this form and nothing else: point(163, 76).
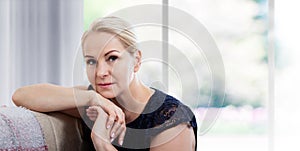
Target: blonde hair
point(116, 26)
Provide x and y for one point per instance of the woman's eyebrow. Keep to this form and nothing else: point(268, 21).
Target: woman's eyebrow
point(88, 56)
point(111, 52)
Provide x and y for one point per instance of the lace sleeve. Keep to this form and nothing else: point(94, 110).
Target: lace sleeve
point(171, 114)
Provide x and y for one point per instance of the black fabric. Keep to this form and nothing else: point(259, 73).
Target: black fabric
point(86, 137)
point(161, 112)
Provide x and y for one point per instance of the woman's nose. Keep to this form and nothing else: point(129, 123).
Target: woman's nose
point(102, 70)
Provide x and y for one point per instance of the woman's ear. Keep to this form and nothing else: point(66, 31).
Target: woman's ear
point(138, 60)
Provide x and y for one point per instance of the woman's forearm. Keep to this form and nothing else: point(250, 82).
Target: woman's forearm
point(49, 97)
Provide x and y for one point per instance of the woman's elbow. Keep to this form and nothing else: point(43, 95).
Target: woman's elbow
point(26, 93)
point(17, 96)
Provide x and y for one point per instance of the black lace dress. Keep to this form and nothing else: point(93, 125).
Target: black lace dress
point(161, 112)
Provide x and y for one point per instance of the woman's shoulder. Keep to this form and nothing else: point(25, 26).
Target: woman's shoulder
point(169, 112)
point(167, 104)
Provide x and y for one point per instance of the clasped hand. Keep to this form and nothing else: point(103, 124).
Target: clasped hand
point(109, 119)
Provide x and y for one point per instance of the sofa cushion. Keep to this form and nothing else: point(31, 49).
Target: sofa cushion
point(23, 129)
point(20, 130)
point(61, 131)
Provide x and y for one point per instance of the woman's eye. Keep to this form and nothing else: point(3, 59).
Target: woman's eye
point(112, 58)
point(91, 62)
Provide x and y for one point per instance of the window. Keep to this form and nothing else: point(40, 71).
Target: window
point(239, 29)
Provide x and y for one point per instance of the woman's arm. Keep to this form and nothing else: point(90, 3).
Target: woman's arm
point(178, 138)
point(49, 97)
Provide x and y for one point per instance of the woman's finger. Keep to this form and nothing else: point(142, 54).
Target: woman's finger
point(92, 113)
point(92, 117)
point(110, 120)
point(118, 133)
point(92, 109)
point(121, 117)
point(121, 127)
point(114, 130)
point(122, 134)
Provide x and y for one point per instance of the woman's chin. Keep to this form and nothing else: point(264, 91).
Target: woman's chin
point(107, 94)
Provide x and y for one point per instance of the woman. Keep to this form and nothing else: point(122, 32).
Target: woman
point(128, 115)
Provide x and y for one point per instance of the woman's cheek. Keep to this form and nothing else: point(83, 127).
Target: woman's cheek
point(91, 76)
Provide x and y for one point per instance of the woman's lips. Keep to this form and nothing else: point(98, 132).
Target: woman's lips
point(105, 85)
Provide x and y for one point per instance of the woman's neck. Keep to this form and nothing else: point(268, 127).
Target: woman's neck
point(134, 100)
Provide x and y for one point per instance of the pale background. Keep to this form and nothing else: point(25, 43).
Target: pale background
point(39, 42)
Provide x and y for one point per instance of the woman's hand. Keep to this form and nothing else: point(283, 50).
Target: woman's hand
point(116, 125)
point(100, 134)
point(115, 113)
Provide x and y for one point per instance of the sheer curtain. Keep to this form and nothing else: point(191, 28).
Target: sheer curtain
point(38, 42)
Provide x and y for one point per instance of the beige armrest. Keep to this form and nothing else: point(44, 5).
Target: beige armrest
point(62, 132)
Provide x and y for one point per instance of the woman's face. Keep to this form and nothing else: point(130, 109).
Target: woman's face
point(110, 67)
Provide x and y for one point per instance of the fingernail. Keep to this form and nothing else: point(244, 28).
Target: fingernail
point(113, 134)
point(121, 143)
point(108, 126)
point(111, 140)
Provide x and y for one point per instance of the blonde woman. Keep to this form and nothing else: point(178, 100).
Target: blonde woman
point(128, 115)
